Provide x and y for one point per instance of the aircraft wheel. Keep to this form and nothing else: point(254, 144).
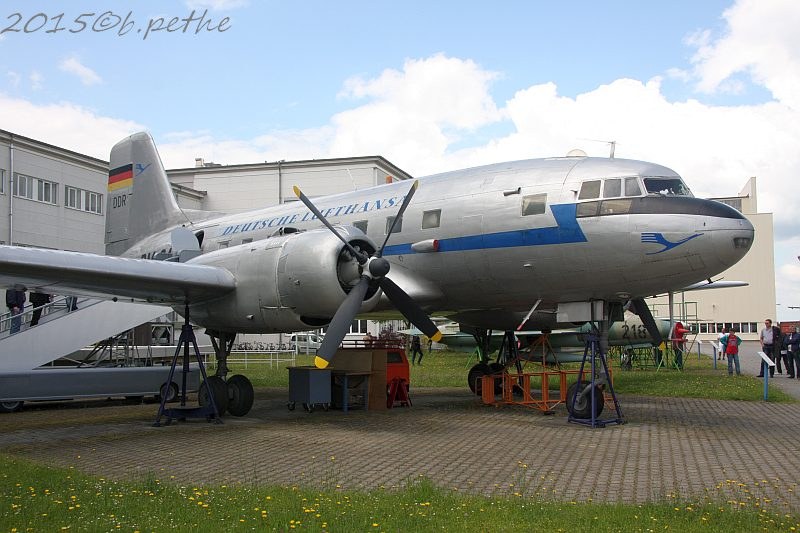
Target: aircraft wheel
point(240, 395)
point(10, 407)
point(582, 406)
point(220, 390)
point(170, 392)
point(474, 377)
point(497, 368)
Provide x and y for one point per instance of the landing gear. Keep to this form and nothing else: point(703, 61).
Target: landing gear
point(475, 375)
point(581, 406)
point(213, 385)
point(237, 389)
point(240, 395)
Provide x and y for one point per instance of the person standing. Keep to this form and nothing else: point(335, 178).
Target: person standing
point(15, 301)
point(38, 300)
point(731, 341)
point(720, 345)
point(416, 350)
point(769, 336)
point(793, 350)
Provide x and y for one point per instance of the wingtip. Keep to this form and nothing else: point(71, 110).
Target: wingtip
point(319, 362)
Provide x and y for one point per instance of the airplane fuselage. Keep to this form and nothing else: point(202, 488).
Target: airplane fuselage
point(504, 236)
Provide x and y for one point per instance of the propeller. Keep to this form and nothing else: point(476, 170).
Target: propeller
point(374, 269)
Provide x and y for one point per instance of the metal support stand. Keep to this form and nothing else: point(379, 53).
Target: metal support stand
point(594, 352)
point(210, 411)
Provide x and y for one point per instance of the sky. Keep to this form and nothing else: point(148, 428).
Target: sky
point(709, 89)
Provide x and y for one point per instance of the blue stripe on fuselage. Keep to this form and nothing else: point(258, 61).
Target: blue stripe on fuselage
point(566, 231)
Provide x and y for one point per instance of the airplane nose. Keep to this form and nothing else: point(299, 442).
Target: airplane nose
point(732, 240)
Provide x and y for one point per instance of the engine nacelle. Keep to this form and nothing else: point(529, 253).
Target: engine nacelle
point(286, 283)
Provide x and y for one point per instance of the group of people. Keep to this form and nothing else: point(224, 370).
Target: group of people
point(781, 348)
point(15, 302)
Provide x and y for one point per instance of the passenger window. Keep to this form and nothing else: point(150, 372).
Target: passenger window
point(246, 241)
point(431, 219)
point(535, 204)
point(397, 227)
point(632, 187)
point(224, 244)
point(612, 188)
point(589, 190)
point(361, 224)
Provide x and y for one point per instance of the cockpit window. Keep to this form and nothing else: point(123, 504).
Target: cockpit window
point(632, 187)
point(612, 188)
point(589, 190)
point(666, 186)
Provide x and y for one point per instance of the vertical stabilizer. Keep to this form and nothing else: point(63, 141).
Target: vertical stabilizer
point(140, 199)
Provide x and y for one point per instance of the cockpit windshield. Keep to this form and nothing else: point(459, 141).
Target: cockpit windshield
point(666, 186)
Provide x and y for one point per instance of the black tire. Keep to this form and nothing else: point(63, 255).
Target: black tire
point(497, 369)
point(582, 409)
point(240, 395)
point(170, 392)
point(11, 407)
point(220, 390)
point(474, 377)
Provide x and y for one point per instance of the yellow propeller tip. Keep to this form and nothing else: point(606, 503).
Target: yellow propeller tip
point(296, 190)
point(436, 336)
point(319, 362)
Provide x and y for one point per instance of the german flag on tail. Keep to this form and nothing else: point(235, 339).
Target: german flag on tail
point(120, 177)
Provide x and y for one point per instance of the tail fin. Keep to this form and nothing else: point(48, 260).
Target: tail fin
point(140, 199)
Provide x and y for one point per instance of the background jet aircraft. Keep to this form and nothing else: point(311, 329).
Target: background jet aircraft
point(479, 245)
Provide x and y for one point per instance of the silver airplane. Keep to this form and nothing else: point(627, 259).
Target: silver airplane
point(486, 246)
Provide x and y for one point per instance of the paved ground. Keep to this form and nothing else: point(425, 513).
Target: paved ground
point(668, 448)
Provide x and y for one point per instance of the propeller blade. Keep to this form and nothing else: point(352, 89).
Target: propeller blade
point(410, 309)
point(361, 257)
point(641, 309)
point(340, 324)
point(399, 216)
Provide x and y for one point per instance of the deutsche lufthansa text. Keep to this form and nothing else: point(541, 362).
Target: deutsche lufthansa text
point(121, 24)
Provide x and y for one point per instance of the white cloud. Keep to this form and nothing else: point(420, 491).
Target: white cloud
point(66, 125)
point(761, 41)
point(87, 76)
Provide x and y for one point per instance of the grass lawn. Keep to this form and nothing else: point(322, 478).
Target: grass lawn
point(698, 379)
point(40, 498)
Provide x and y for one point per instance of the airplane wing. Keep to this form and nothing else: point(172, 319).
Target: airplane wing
point(719, 284)
point(100, 276)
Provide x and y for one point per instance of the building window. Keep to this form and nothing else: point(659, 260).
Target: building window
point(35, 189)
point(397, 227)
point(534, 204)
point(358, 326)
point(82, 200)
point(2, 181)
point(431, 219)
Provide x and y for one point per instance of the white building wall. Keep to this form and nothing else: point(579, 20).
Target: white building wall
point(35, 223)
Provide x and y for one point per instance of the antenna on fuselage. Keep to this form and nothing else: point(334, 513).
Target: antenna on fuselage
point(612, 144)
